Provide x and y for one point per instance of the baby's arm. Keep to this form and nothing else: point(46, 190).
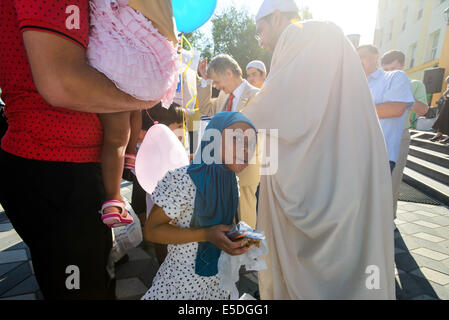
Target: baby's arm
point(158, 229)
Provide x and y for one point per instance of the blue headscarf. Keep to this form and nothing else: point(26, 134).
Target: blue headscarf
point(217, 197)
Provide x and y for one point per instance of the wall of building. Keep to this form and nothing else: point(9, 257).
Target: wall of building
point(422, 18)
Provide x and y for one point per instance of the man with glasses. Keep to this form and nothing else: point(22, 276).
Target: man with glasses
point(326, 211)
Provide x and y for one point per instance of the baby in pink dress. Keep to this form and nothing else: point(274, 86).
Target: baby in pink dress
point(126, 47)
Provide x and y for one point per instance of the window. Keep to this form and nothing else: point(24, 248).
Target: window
point(420, 10)
point(404, 20)
point(434, 40)
point(412, 55)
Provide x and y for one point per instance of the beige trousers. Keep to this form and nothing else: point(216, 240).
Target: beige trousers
point(398, 171)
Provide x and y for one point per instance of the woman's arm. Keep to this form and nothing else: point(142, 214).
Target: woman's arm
point(158, 230)
point(64, 79)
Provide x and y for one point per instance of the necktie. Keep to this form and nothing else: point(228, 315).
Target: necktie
point(230, 102)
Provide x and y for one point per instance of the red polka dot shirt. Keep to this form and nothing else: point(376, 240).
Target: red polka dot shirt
point(37, 130)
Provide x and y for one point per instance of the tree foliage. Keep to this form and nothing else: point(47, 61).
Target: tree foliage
point(233, 33)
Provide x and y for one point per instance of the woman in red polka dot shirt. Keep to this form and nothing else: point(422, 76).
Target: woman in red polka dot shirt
point(50, 181)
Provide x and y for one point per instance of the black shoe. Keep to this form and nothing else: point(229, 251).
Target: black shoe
point(123, 260)
point(128, 175)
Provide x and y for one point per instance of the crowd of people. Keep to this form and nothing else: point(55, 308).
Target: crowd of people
point(80, 100)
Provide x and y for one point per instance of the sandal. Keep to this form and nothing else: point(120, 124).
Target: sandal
point(130, 168)
point(436, 138)
point(115, 219)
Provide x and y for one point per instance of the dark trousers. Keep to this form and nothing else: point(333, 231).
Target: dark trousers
point(54, 206)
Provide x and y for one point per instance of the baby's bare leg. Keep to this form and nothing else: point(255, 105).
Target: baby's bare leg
point(116, 133)
point(136, 126)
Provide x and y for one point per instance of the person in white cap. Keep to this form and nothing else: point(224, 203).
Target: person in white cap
point(326, 211)
point(256, 73)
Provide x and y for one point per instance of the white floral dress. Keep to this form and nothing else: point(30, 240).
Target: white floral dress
point(176, 278)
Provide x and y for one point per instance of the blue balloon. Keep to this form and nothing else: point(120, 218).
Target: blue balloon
point(192, 14)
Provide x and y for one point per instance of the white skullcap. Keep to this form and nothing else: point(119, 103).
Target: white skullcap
point(258, 65)
point(270, 6)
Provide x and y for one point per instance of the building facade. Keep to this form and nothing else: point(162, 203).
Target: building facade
point(419, 29)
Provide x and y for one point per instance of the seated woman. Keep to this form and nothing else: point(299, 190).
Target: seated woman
point(195, 207)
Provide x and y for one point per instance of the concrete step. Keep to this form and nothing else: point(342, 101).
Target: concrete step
point(429, 169)
point(438, 158)
point(427, 144)
point(421, 134)
point(432, 188)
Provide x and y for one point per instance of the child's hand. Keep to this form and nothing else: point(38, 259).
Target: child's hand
point(217, 236)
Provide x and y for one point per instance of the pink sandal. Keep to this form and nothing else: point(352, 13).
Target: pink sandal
point(130, 166)
point(115, 219)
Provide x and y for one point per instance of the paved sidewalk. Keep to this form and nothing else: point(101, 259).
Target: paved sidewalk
point(422, 259)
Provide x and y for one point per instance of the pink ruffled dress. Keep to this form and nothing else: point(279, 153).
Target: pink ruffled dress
point(126, 47)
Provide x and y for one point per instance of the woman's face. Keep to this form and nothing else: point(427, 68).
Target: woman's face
point(238, 144)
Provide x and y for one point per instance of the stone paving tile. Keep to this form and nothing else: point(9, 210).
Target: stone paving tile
point(405, 262)
point(427, 224)
point(7, 267)
point(412, 228)
point(410, 286)
point(20, 245)
point(443, 211)
point(132, 268)
point(25, 287)
point(13, 278)
point(439, 266)
point(5, 227)
point(13, 256)
point(432, 275)
point(429, 237)
point(424, 297)
point(441, 291)
point(3, 218)
point(440, 220)
point(8, 239)
point(30, 296)
point(408, 206)
point(431, 254)
point(130, 288)
point(424, 243)
point(137, 254)
point(410, 217)
point(399, 222)
point(426, 214)
point(398, 251)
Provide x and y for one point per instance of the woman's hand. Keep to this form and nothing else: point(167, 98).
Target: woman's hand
point(217, 236)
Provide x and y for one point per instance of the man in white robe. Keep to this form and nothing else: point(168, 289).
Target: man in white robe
point(327, 210)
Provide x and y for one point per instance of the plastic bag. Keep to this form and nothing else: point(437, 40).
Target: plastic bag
point(126, 237)
point(229, 266)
